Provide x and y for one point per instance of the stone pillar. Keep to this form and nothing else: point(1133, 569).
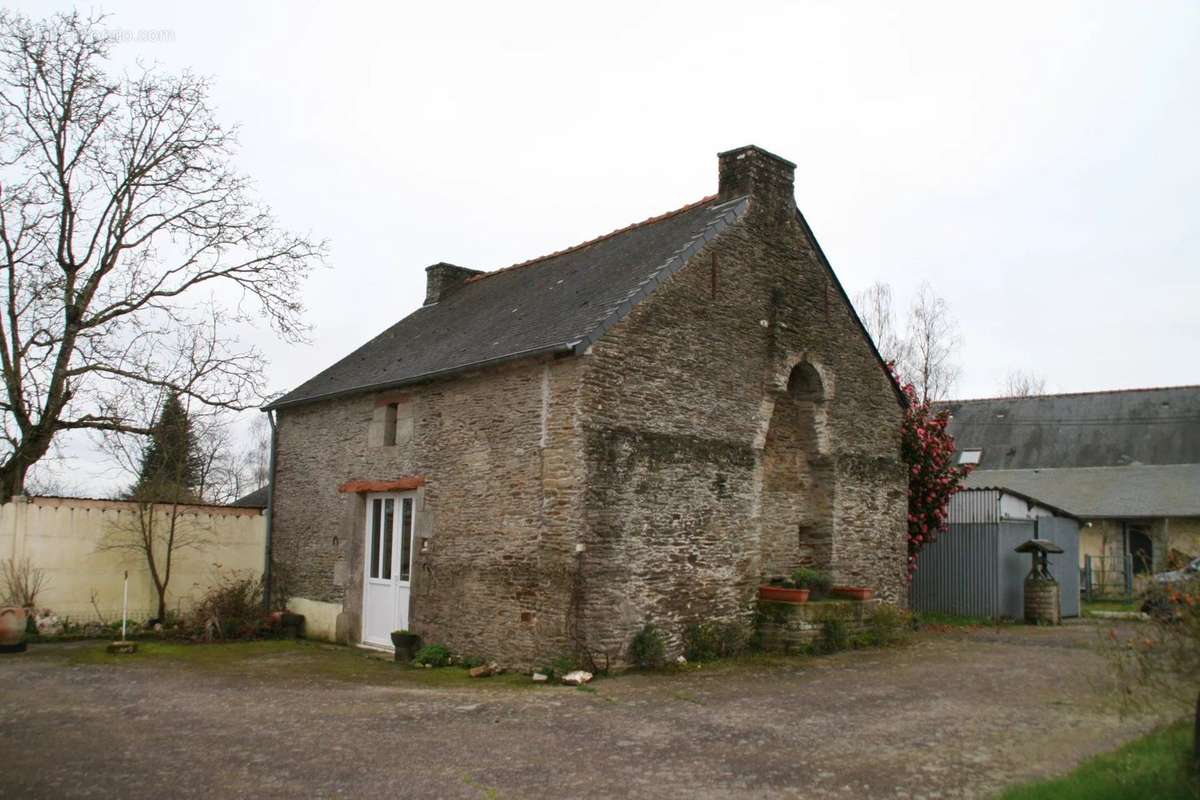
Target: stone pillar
point(1043, 601)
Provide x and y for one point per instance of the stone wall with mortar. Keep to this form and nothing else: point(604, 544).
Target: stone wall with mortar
point(684, 515)
point(795, 627)
point(500, 504)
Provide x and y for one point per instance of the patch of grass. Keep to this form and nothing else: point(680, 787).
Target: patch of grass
point(200, 655)
point(933, 619)
point(281, 660)
point(1155, 766)
point(1115, 604)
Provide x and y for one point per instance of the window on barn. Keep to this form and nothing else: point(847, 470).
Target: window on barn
point(389, 423)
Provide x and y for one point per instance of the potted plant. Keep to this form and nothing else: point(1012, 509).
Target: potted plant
point(12, 629)
point(406, 645)
point(854, 592)
point(781, 590)
point(816, 581)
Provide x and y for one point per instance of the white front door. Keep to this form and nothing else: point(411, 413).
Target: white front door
point(387, 573)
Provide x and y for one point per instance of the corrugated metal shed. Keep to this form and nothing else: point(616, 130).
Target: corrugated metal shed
point(972, 569)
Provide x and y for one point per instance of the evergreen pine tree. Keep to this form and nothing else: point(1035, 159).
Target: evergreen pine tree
point(170, 468)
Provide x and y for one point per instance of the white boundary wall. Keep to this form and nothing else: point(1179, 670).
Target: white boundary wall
point(63, 536)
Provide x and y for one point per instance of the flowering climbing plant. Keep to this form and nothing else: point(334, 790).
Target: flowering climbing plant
point(927, 449)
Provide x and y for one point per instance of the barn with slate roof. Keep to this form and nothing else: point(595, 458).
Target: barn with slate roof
point(541, 459)
point(1127, 462)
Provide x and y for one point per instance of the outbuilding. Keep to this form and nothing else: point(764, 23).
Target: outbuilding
point(974, 570)
point(542, 459)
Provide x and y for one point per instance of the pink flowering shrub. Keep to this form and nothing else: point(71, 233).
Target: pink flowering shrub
point(933, 477)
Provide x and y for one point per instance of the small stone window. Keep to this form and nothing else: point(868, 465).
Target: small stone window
point(389, 423)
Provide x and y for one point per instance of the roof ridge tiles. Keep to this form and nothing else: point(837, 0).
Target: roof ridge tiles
point(1069, 394)
point(573, 248)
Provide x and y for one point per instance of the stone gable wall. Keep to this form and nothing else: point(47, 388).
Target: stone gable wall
point(681, 398)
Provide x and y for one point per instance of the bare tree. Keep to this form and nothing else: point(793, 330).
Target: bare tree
point(159, 525)
point(257, 458)
point(875, 309)
point(122, 223)
point(232, 466)
point(932, 339)
point(1019, 383)
point(22, 582)
point(156, 532)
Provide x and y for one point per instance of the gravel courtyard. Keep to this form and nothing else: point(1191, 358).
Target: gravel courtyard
point(959, 713)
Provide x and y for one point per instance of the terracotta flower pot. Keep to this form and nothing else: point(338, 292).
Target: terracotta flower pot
point(12, 628)
point(781, 595)
point(853, 592)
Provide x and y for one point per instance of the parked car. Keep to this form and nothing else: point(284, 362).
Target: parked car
point(1189, 573)
point(1158, 601)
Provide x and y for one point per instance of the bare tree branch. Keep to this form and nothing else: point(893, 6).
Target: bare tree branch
point(932, 339)
point(1019, 383)
point(874, 305)
point(118, 209)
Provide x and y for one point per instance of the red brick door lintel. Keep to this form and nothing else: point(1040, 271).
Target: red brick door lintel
point(405, 484)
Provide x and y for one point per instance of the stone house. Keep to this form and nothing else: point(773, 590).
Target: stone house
point(1127, 462)
point(640, 428)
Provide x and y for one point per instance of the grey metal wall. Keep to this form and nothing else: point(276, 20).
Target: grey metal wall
point(972, 569)
point(1013, 566)
point(1064, 567)
point(960, 572)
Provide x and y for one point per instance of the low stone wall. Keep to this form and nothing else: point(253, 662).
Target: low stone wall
point(792, 627)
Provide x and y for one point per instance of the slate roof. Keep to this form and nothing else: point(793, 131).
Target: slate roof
point(1091, 429)
point(256, 499)
point(1127, 492)
point(560, 303)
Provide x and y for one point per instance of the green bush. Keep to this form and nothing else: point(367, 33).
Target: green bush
point(648, 649)
point(835, 635)
point(889, 626)
point(817, 582)
point(558, 666)
point(711, 640)
point(433, 655)
point(231, 609)
point(470, 662)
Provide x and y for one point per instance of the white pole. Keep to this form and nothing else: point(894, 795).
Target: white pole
point(125, 606)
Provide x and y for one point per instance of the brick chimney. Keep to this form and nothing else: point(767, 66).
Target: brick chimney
point(762, 175)
point(442, 279)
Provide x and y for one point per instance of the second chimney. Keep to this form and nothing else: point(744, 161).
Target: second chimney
point(442, 279)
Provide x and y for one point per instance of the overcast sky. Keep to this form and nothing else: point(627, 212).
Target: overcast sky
point(1036, 163)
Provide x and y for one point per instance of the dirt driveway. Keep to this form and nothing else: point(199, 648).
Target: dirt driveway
point(957, 714)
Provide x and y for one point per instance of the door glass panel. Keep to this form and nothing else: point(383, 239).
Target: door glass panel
point(376, 509)
point(389, 526)
point(406, 523)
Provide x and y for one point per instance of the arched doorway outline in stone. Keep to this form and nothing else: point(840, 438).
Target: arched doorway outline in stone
point(798, 478)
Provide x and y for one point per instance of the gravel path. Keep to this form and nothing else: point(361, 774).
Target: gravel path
point(956, 714)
